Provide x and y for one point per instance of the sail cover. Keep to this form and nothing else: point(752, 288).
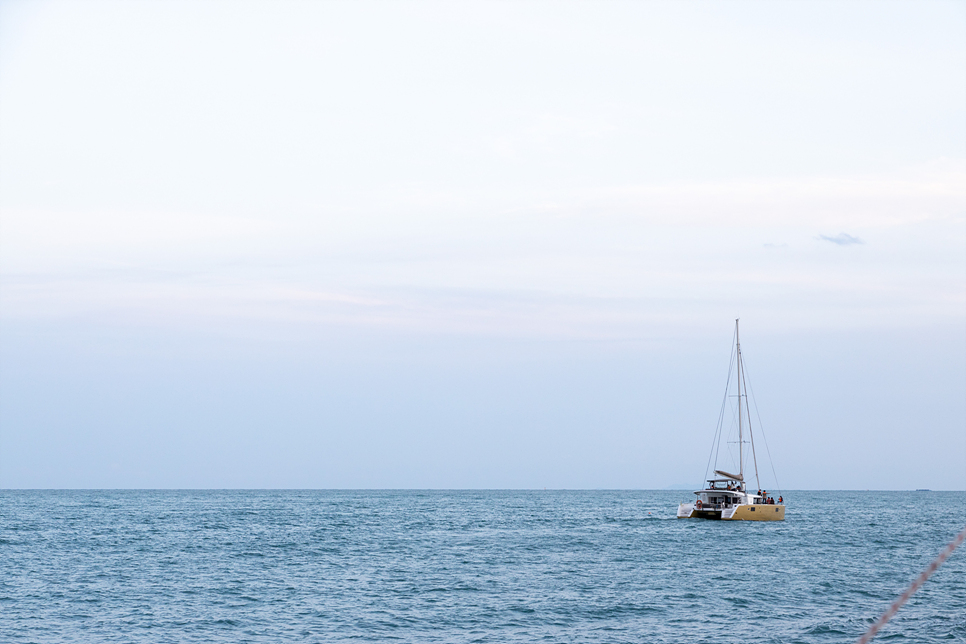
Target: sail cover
point(733, 477)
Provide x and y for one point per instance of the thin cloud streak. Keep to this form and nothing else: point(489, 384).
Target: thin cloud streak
point(842, 239)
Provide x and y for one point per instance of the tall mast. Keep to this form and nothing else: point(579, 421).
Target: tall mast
point(741, 445)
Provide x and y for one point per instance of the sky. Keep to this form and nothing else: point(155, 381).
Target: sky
point(479, 244)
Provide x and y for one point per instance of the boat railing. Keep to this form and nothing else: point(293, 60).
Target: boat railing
point(718, 506)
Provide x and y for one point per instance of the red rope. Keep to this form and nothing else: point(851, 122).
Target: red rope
point(920, 580)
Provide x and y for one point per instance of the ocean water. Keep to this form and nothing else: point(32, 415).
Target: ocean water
point(470, 566)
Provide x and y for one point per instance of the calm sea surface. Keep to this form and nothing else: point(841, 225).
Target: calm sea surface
point(469, 566)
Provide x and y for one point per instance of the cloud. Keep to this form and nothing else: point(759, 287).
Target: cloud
point(842, 239)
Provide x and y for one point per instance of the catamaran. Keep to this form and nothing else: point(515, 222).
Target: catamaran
point(726, 495)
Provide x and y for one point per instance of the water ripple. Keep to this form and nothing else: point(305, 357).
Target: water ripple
point(449, 566)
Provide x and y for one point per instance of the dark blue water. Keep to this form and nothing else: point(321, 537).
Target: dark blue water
point(455, 566)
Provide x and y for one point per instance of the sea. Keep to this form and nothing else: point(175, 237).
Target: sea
point(471, 566)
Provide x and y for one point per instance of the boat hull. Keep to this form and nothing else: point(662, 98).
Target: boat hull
point(758, 513)
point(737, 513)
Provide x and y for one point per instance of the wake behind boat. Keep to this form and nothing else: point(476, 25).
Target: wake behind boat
point(725, 496)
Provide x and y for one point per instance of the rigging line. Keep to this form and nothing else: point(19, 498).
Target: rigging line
point(720, 434)
point(751, 434)
point(713, 443)
point(731, 434)
point(714, 453)
point(920, 580)
point(716, 442)
point(761, 427)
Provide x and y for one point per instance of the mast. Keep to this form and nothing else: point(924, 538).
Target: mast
point(741, 445)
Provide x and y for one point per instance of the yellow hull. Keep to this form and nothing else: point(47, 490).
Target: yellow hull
point(740, 513)
point(758, 513)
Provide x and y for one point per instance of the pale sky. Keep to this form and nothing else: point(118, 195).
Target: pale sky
point(410, 244)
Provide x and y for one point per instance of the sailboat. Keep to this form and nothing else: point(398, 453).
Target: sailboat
point(726, 496)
